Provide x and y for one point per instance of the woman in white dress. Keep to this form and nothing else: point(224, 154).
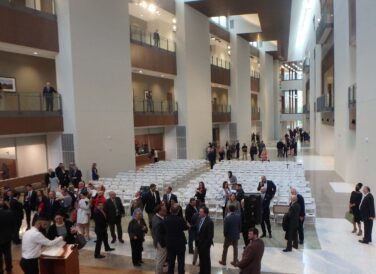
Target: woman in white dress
point(226, 193)
point(83, 215)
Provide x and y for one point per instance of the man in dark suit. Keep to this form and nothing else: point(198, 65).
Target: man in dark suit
point(151, 199)
point(367, 212)
point(239, 193)
point(115, 211)
point(301, 215)
point(190, 210)
point(51, 206)
point(252, 255)
point(159, 238)
point(267, 189)
point(232, 226)
point(30, 203)
point(204, 240)
point(100, 220)
point(48, 93)
point(175, 240)
point(16, 208)
point(75, 175)
point(168, 196)
point(293, 224)
point(7, 226)
point(62, 175)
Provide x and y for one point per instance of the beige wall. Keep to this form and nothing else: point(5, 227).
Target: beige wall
point(221, 94)
point(159, 87)
point(31, 72)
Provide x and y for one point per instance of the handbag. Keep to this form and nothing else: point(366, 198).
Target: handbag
point(80, 240)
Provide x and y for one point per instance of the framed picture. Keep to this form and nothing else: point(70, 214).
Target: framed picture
point(8, 84)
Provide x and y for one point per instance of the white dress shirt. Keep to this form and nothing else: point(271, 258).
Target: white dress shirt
point(33, 241)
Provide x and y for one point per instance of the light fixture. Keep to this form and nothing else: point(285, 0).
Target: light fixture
point(174, 20)
point(228, 47)
point(35, 53)
point(143, 4)
point(140, 71)
point(174, 28)
point(152, 8)
point(162, 75)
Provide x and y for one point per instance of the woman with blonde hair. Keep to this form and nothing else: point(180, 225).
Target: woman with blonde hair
point(83, 215)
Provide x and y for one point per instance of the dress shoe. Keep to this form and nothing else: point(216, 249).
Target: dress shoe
point(263, 236)
point(270, 235)
point(296, 247)
point(141, 262)
point(354, 231)
point(121, 241)
point(100, 256)
point(234, 263)
point(287, 250)
point(363, 242)
point(110, 249)
point(113, 241)
point(360, 233)
point(222, 263)
point(137, 265)
point(301, 242)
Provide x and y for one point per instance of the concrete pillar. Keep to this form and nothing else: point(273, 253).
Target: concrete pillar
point(94, 76)
point(240, 91)
point(192, 84)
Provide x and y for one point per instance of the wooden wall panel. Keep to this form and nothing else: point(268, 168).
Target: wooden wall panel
point(25, 27)
point(144, 120)
point(142, 160)
point(220, 76)
point(11, 163)
point(221, 117)
point(30, 124)
point(255, 84)
point(22, 181)
point(151, 58)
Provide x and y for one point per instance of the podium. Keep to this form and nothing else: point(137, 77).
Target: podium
point(66, 263)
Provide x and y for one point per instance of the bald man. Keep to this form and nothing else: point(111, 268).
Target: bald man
point(301, 214)
point(293, 224)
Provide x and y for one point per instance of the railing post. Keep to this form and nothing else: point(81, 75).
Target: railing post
point(167, 44)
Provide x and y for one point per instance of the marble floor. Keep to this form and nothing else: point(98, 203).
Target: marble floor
point(331, 247)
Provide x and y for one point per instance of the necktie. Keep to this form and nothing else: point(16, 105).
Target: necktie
point(201, 222)
point(168, 197)
point(116, 208)
point(51, 201)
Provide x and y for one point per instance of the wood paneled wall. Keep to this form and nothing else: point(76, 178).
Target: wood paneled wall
point(25, 27)
point(221, 117)
point(144, 119)
point(152, 58)
point(22, 181)
point(220, 76)
point(255, 84)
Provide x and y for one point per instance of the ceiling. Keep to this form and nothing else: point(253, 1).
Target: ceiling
point(274, 16)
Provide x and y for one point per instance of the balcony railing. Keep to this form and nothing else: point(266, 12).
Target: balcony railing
point(255, 116)
point(25, 101)
point(153, 106)
point(221, 113)
point(220, 62)
point(324, 103)
point(151, 39)
point(324, 28)
point(46, 6)
point(217, 108)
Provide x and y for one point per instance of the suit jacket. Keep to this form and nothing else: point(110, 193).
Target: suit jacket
point(239, 195)
point(135, 229)
point(30, 203)
point(204, 238)
point(232, 226)
point(293, 215)
point(173, 197)
point(69, 238)
point(50, 91)
point(270, 189)
point(251, 259)
point(16, 208)
point(111, 210)
point(367, 207)
point(75, 176)
point(100, 222)
point(174, 227)
point(50, 210)
point(189, 212)
point(150, 202)
point(302, 205)
point(7, 225)
point(159, 233)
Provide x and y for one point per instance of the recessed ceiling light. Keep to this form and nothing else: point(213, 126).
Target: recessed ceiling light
point(140, 71)
point(35, 53)
point(152, 8)
point(162, 75)
point(174, 20)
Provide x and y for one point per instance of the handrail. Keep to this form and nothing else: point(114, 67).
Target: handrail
point(30, 101)
point(219, 108)
point(148, 38)
point(155, 106)
point(218, 62)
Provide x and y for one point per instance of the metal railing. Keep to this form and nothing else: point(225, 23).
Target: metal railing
point(138, 35)
point(255, 74)
point(218, 108)
point(326, 22)
point(325, 103)
point(218, 62)
point(255, 116)
point(46, 6)
point(25, 101)
point(153, 106)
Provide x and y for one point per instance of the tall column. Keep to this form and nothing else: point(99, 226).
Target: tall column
point(240, 91)
point(94, 78)
point(267, 96)
point(192, 84)
point(277, 100)
point(366, 96)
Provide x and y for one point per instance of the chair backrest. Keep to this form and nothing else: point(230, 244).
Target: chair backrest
point(280, 209)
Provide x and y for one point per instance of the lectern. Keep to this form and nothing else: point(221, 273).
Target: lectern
point(65, 263)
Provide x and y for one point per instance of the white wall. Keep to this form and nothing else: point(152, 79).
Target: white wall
point(94, 76)
point(170, 143)
point(31, 155)
point(192, 84)
point(54, 153)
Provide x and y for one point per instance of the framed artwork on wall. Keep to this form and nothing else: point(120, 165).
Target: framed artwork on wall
point(8, 84)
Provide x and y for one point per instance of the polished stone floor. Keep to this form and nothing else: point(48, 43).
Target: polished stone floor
point(330, 246)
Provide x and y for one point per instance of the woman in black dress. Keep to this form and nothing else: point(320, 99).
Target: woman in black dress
point(355, 199)
point(201, 193)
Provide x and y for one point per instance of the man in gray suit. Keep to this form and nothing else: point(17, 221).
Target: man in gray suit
point(231, 229)
point(293, 224)
point(159, 240)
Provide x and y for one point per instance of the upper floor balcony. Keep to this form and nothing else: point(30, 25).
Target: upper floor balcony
point(255, 81)
point(30, 23)
point(155, 113)
point(325, 103)
point(152, 52)
point(220, 71)
point(221, 113)
point(324, 28)
point(25, 113)
point(255, 116)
